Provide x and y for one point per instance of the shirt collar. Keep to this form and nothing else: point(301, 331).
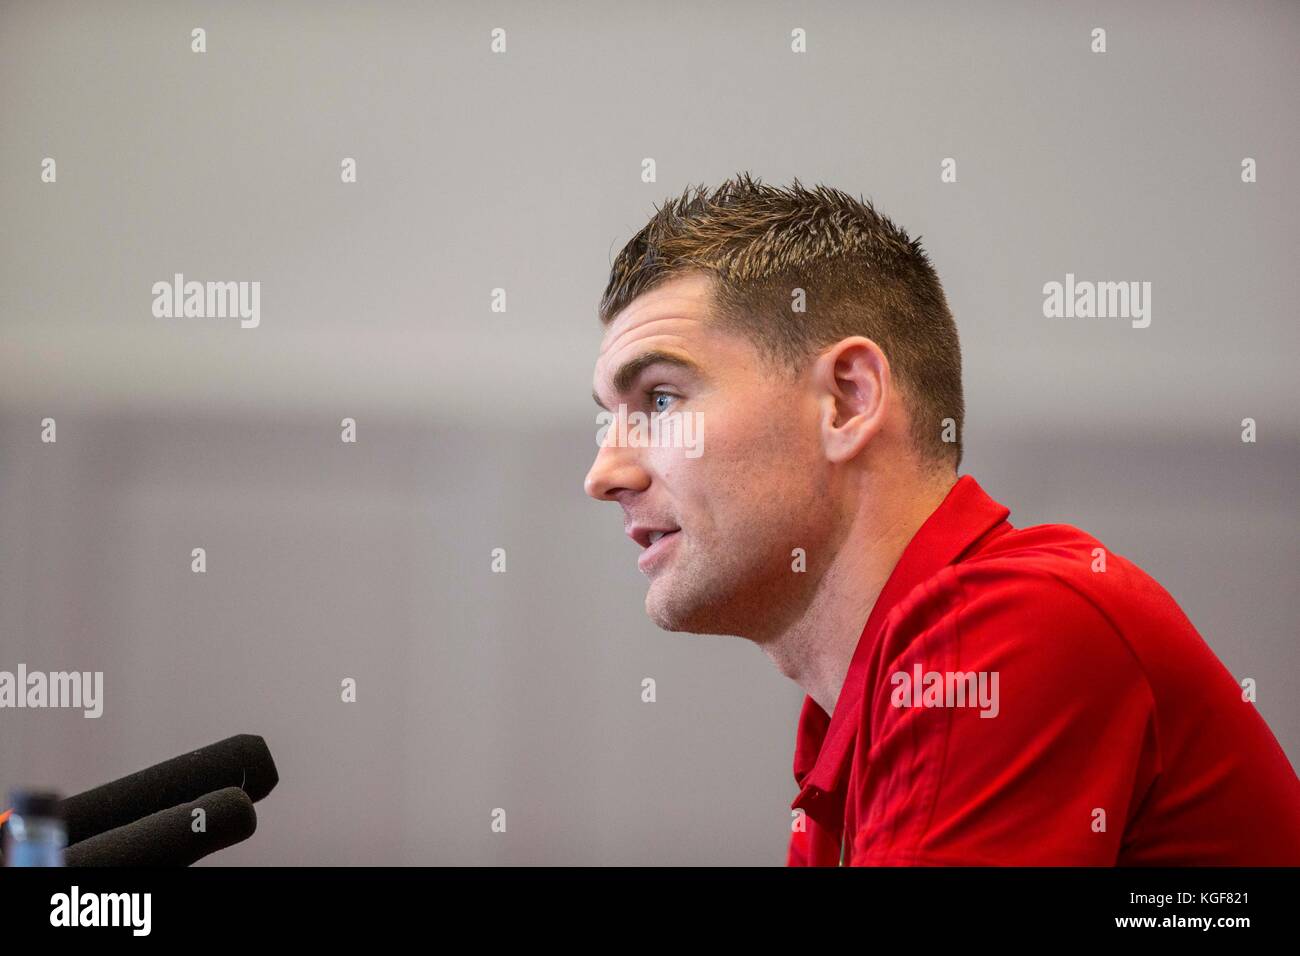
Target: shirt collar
point(823, 742)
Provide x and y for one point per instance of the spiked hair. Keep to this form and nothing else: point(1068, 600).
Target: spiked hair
point(859, 274)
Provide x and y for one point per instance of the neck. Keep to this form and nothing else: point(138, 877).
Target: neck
point(815, 648)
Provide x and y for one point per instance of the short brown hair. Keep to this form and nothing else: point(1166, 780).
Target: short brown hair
point(860, 273)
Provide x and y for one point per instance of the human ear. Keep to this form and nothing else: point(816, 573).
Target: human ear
point(852, 378)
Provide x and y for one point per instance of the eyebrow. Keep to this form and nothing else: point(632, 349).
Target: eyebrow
point(631, 370)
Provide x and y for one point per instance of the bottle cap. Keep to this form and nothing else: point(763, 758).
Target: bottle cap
point(35, 803)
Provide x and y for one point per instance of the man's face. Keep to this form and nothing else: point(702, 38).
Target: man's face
point(733, 514)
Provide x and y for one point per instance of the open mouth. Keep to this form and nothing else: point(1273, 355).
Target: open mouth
point(657, 545)
point(649, 537)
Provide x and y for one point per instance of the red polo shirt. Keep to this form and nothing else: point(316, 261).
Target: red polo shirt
point(1025, 697)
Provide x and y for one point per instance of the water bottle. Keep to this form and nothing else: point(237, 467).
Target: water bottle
point(34, 833)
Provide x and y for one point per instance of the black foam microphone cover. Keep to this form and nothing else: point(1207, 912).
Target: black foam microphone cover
point(241, 761)
point(169, 837)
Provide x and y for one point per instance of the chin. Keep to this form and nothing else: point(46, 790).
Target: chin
point(665, 617)
point(669, 611)
point(694, 612)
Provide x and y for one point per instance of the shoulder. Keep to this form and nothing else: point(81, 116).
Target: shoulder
point(1030, 648)
point(1055, 576)
point(1041, 608)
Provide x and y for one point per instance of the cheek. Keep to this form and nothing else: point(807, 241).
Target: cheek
point(751, 459)
point(777, 440)
point(752, 463)
point(779, 462)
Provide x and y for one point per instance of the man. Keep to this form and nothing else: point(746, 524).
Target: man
point(976, 693)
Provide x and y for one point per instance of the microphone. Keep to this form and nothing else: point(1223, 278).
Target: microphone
point(167, 838)
point(242, 762)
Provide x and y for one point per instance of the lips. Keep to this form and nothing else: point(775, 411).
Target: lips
point(657, 540)
point(649, 535)
point(653, 556)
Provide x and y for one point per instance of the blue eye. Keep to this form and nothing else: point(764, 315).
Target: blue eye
point(656, 397)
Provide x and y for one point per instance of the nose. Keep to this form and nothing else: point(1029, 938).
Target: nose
point(614, 471)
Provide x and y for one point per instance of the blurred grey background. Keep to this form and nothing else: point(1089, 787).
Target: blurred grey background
point(522, 171)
